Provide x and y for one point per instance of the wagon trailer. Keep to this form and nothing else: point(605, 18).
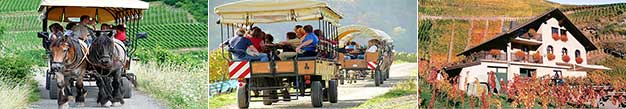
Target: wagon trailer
point(313, 76)
point(375, 64)
point(127, 12)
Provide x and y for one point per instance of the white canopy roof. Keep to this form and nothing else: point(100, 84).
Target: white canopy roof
point(345, 34)
point(107, 10)
point(270, 11)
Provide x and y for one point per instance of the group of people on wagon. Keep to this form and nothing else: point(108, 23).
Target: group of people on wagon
point(354, 51)
point(256, 45)
point(83, 30)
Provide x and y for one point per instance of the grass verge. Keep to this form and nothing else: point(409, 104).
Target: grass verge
point(15, 94)
point(181, 86)
point(223, 100)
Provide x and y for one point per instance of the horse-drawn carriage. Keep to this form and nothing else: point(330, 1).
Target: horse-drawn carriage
point(374, 64)
point(278, 77)
point(71, 61)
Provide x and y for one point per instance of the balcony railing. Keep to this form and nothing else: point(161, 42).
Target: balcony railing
point(526, 58)
point(531, 37)
point(528, 39)
point(487, 56)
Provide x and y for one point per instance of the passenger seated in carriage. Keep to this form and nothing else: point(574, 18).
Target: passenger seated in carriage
point(56, 31)
point(355, 53)
point(68, 29)
point(324, 42)
point(120, 32)
point(82, 31)
point(241, 48)
point(309, 42)
point(289, 46)
point(105, 27)
point(351, 49)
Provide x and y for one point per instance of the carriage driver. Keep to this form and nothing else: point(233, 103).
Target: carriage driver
point(82, 30)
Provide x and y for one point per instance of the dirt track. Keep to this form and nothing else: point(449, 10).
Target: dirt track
point(350, 95)
point(139, 100)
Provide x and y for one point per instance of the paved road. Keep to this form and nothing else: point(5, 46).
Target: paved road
point(350, 95)
point(139, 100)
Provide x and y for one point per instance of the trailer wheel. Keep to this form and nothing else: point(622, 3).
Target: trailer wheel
point(377, 78)
point(332, 91)
point(48, 79)
point(243, 96)
point(128, 91)
point(54, 90)
point(316, 94)
point(267, 100)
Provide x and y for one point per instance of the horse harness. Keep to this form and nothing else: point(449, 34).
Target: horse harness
point(80, 50)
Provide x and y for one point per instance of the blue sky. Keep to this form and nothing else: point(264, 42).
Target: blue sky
point(587, 2)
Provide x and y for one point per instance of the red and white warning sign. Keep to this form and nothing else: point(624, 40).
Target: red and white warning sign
point(371, 65)
point(239, 69)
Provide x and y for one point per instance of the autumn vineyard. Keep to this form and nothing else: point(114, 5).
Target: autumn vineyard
point(448, 28)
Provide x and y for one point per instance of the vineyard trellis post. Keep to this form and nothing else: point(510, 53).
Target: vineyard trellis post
point(451, 43)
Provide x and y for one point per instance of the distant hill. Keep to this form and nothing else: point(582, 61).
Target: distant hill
point(396, 18)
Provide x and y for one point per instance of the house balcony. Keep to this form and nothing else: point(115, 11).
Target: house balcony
point(527, 58)
point(527, 39)
point(488, 56)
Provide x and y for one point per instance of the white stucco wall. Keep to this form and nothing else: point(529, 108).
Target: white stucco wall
point(571, 44)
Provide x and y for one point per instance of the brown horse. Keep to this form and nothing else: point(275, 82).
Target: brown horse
point(108, 56)
point(68, 63)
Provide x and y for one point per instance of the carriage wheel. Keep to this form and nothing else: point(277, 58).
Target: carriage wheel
point(382, 76)
point(243, 96)
point(128, 91)
point(48, 79)
point(316, 94)
point(53, 92)
point(342, 77)
point(332, 91)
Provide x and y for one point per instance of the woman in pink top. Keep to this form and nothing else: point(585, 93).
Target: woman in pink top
point(121, 32)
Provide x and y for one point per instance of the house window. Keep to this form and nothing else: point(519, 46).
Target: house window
point(564, 52)
point(563, 32)
point(526, 72)
point(577, 53)
point(550, 49)
point(555, 30)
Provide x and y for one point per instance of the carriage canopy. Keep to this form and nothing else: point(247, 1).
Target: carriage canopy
point(349, 32)
point(104, 10)
point(271, 11)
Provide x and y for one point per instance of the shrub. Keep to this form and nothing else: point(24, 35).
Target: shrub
point(218, 66)
point(13, 67)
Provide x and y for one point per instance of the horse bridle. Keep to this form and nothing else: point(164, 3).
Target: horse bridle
point(111, 55)
point(76, 59)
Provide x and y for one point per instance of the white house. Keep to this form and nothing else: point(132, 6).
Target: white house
point(546, 45)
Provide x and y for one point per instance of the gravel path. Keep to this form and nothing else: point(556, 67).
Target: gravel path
point(139, 99)
point(350, 95)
